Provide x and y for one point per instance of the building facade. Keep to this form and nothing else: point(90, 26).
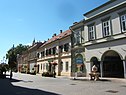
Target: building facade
point(55, 54)
point(22, 61)
point(27, 61)
point(32, 57)
point(105, 39)
point(77, 49)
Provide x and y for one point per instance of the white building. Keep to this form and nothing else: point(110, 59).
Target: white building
point(105, 39)
point(56, 52)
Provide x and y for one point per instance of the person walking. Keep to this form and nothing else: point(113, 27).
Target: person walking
point(11, 74)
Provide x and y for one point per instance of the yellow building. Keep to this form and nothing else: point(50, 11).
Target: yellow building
point(55, 54)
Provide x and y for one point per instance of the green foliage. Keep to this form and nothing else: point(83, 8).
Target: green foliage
point(12, 54)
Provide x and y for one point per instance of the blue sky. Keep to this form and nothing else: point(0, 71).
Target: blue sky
point(23, 20)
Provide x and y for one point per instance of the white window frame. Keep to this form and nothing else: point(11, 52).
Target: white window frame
point(106, 25)
point(91, 31)
point(123, 22)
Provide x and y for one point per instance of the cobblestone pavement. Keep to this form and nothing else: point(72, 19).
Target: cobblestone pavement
point(23, 84)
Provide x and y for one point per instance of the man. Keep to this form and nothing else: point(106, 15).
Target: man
point(11, 74)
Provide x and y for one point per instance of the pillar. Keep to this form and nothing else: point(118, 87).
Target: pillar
point(101, 68)
point(124, 65)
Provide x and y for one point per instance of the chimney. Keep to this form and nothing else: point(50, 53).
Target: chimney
point(61, 31)
point(74, 23)
point(54, 34)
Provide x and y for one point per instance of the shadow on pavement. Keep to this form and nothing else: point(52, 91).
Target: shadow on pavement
point(6, 88)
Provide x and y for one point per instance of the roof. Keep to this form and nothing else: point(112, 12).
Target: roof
point(60, 36)
point(36, 45)
point(110, 1)
point(77, 24)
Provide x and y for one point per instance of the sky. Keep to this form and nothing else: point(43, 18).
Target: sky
point(22, 21)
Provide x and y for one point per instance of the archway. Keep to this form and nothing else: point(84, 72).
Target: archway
point(94, 61)
point(79, 63)
point(112, 65)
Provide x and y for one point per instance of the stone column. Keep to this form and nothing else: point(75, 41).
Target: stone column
point(101, 68)
point(124, 65)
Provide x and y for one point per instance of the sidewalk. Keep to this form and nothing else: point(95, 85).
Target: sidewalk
point(101, 79)
point(88, 78)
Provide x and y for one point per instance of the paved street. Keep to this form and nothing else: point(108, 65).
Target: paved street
point(23, 84)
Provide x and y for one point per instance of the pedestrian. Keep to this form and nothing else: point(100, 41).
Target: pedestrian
point(11, 74)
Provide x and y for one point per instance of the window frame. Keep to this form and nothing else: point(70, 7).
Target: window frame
point(107, 29)
point(91, 32)
point(124, 22)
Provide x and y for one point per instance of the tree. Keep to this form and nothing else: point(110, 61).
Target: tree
point(12, 55)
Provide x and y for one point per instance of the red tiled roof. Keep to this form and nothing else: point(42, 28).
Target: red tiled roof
point(36, 45)
point(60, 36)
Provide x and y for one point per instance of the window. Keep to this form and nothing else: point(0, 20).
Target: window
point(43, 53)
point(66, 47)
point(61, 48)
point(50, 51)
point(123, 22)
point(54, 50)
point(47, 67)
point(67, 66)
point(91, 32)
point(61, 66)
point(38, 55)
point(41, 66)
point(106, 28)
point(77, 37)
point(47, 52)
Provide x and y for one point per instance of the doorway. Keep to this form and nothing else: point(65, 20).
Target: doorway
point(112, 65)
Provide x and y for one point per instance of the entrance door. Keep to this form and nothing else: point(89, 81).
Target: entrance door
point(113, 65)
